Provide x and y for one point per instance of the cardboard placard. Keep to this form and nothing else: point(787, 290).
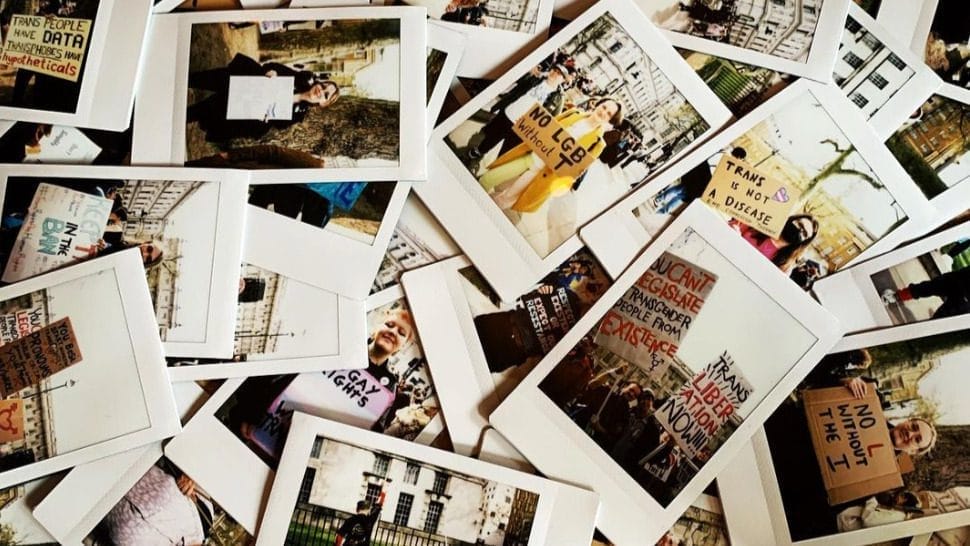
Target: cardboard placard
point(62, 226)
point(647, 325)
point(260, 98)
point(750, 196)
point(29, 360)
point(549, 140)
point(11, 420)
point(852, 443)
point(49, 45)
point(703, 405)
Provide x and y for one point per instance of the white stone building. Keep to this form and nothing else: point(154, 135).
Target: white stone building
point(783, 28)
point(866, 70)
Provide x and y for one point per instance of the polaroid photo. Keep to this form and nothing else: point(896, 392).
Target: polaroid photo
point(283, 326)
point(776, 35)
point(26, 142)
point(418, 240)
point(167, 6)
point(186, 223)
point(924, 280)
point(53, 52)
point(57, 412)
point(702, 523)
point(342, 231)
point(870, 446)
point(871, 7)
point(517, 218)
point(445, 50)
point(832, 192)
point(232, 446)
point(356, 110)
point(942, 37)
point(363, 487)
point(639, 411)
point(742, 87)
point(879, 74)
point(900, 17)
point(18, 522)
point(482, 347)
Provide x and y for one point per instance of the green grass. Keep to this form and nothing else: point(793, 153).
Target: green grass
point(918, 169)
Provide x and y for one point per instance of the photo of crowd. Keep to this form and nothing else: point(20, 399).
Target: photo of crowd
point(605, 91)
point(24, 88)
point(166, 507)
point(393, 395)
point(930, 286)
point(355, 496)
point(344, 108)
point(516, 335)
point(781, 29)
point(948, 44)
point(918, 384)
point(512, 15)
point(350, 209)
point(843, 208)
point(626, 382)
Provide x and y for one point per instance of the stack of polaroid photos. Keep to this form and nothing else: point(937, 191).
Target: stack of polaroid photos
point(673, 272)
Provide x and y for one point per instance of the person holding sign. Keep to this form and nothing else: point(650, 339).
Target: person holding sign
point(799, 232)
point(519, 180)
point(309, 91)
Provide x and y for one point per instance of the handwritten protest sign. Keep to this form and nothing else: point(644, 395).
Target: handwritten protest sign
point(62, 226)
point(852, 443)
point(21, 323)
point(11, 420)
point(703, 405)
point(353, 397)
point(647, 324)
point(260, 98)
point(49, 45)
point(63, 145)
point(29, 360)
point(741, 191)
point(549, 140)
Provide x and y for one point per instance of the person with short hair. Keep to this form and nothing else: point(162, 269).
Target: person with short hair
point(356, 530)
point(392, 335)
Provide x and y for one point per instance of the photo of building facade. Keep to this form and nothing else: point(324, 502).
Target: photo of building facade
point(423, 504)
point(866, 70)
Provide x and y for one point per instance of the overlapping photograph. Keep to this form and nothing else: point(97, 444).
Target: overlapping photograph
point(946, 47)
point(741, 87)
point(24, 142)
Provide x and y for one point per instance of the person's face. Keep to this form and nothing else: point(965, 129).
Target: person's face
point(605, 111)
point(631, 392)
point(321, 93)
point(555, 77)
point(393, 334)
point(149, 253)
point(912, 436)
point(804, 227)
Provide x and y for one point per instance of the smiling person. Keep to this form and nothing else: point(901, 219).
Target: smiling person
point(392, 335)
point(797, 234)
point(309, 91)
point(914, 436)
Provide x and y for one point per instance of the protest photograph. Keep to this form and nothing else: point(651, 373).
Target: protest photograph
point(515, 336)
point(833, 205)
point(511, 15)
point(875, 435)
point(349, 209)
point(165, 506)
point(294, 94)
point(604, 90)
point(45, 49)
point(392, 395)
point(23, 142)
point(651, 389)
point(947, 47)
point(17, 523)
point(166, 220)
point(360, 496)
point(934, 144)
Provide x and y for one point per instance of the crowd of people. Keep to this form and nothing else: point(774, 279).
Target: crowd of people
point(710, 19)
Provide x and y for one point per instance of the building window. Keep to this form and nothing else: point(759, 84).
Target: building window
point(411, 473)
point(315, 450)
point(852, 59)
point(373, 493)
point(403, 510)
point(434, 516)
point(859, 100)
point(852, 25)
point(871, 42)
point(306, 485)
point(878, 80)
point(896, 61)
point(440, 483)
point(381, 463)
point(779, 2)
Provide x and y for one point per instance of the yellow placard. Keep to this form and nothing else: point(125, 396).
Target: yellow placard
point(49, 45)
point(741, 191)
point(549, 140)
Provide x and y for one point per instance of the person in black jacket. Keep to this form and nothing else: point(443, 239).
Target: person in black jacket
point(210, 113)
